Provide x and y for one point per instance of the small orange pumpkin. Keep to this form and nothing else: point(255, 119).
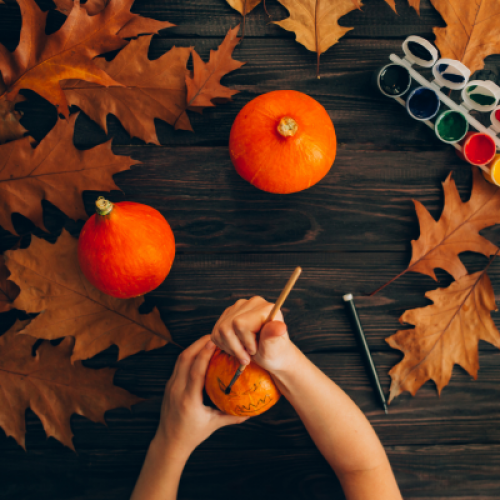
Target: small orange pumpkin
point(252, 394)
point(283, 142)
point(126, 249)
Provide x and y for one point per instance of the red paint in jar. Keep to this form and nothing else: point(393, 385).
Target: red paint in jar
point(477, 148)
point(497, 114)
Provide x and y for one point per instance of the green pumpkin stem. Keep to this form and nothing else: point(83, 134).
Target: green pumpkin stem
point(103, 206)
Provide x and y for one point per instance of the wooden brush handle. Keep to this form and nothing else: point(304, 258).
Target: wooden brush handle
point(281, 299)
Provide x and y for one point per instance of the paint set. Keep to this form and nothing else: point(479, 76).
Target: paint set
point(424, 102)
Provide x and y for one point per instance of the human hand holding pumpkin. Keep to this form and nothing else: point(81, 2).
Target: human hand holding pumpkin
point(237, 333)
point(185, 421)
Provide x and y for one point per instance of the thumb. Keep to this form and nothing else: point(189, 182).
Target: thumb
point(272, 331)
point(224, 419)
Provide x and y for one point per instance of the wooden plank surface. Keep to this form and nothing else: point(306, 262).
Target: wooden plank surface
point(351, 232)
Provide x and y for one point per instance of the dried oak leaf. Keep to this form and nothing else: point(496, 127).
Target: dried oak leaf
point(446, 333)
point(137, 26)
point(52, 387)
point(471, 33)
point(413, 3)
point(41, 61)
point(456, 231)
point(54, 171)
point(8, 289)
point(10, 128)
point(243, 6)
point(152, 89)
point(52, 284)
point(203, 83)
point(315, 23)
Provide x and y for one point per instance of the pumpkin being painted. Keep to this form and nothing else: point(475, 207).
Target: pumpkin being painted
point(252, 394)
point(283, 142)
point(126, 249)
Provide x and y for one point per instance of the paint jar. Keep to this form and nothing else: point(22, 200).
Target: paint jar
point(451, 126)
point(494, 176)
point(393, 80)
point(451, 74)
point(481, 95)
point(420, 51)
point(495, 120)
point(423, 103)
point(477, 148)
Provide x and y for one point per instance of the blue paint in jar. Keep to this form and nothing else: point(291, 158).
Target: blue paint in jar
point(423, 103)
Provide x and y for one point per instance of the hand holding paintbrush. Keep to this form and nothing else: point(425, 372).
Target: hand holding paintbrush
point(271, 316)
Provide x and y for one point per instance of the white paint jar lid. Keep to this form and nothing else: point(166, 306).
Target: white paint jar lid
point(413, 58)
point(451, 74)
point(478, 87)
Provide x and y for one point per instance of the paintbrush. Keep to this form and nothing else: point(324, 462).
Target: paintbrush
point(281, 299)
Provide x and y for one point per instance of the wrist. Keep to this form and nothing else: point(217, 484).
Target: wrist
point(293, 357)
point(169, 449)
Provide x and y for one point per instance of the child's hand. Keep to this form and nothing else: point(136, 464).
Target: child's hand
point(185, 421)
point(236, 333)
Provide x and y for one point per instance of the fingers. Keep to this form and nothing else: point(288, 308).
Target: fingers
point(221, 419)
point(198, 370)
point(232, 345)
point(186, 358)
point(272, 330)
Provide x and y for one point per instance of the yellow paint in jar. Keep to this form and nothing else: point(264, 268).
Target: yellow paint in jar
point(494, 176)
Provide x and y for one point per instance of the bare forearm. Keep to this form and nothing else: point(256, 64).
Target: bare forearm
point(160, 474)
point(338, 427)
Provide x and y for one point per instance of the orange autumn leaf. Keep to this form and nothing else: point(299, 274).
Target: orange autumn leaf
point(315, 23)
point(243, 6)
point(446, 333)
point(152, 89)
point(456, 231)
point(471, 33)
point(41, 61)
point(8, 289)
point(138, 25)
point(52, 387)
point(54, 171)
point(413, 3)
point(203, 84)
point(53, 285)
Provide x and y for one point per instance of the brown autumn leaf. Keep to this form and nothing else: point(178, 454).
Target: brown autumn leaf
point(471, 33)
point(54, 171)
point(456, 231)
point(53, 285)
point(446, 333)
point(243, 6)
point(52, 387)
point(41, 61)
point(315, 23)
point(152, 89)
point(203, 84)
point(413, 3)
point(10, 128)
point(8, 289)
point(136, 26)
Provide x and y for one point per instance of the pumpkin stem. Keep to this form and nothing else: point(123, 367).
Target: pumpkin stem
point(103, 206)
point(287, 126)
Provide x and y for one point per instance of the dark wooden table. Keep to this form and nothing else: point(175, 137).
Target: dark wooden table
point(350, 233)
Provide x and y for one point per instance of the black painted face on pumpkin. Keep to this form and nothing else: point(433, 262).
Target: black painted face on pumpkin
point(250, 408)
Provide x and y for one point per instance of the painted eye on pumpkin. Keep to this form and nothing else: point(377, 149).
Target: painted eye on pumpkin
point(222, 386)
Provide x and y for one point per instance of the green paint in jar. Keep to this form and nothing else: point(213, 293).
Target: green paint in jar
point(451, 126)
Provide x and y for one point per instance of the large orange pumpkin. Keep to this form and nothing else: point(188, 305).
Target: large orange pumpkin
point(126, 249)
point(283, 142)
point(252, 394)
